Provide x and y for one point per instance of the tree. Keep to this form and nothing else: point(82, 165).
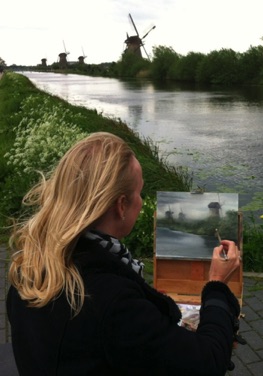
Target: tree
point(186, 67)
point(220, 67)
point(252, 64)
point(131, 65)
point(163, 62)
point(2, 64)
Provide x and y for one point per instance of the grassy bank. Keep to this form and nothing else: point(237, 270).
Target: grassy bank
point(37, 128)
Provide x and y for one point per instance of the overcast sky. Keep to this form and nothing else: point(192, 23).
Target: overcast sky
point(32, 29)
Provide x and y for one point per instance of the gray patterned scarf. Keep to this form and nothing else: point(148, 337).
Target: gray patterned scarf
point(115, 247)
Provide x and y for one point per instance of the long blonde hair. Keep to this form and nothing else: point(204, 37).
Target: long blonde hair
point(86, 183)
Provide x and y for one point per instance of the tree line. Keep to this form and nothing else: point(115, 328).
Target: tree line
point(223, 67)
point(219, 67)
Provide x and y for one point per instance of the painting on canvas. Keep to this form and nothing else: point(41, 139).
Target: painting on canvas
point(189, 226)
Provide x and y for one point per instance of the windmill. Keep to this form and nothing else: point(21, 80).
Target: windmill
point(134, 43)
point(82, 57)
point(63, 58)
point(44, 62)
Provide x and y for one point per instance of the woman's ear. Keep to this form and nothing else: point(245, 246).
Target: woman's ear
point(121, 206)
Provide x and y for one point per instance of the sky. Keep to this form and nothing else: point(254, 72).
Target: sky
point(32, 29)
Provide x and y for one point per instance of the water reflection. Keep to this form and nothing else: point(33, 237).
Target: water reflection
point(217, 133)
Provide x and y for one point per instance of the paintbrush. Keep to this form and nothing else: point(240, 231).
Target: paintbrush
point(220, 240)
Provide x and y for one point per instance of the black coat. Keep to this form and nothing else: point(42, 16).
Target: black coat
point(124, 328)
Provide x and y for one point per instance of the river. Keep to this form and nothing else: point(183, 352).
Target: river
point(216, 133)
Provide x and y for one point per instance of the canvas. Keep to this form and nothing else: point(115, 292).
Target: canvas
point(189, 225)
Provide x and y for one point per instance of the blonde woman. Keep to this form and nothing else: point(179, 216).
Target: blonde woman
point(78, 304)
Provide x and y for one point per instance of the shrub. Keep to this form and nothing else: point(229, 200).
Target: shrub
point(253, 245)
point(41, 139)
point(40, 143)
point(141, 239)
point(131, 65)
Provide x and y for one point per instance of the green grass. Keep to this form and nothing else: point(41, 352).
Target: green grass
point(258, 287)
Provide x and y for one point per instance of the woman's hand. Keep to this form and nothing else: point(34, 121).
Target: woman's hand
point(226, 259)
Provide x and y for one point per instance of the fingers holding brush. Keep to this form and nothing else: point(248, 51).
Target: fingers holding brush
point(221, 270)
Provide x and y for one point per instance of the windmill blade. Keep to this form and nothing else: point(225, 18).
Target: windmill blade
point(148, 32)
point(134, 25)
point(83, 53)
point(67, 53)
point(145, 52)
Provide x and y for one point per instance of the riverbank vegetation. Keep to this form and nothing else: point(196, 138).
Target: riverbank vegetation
point(37, 128)
point(219, 67)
